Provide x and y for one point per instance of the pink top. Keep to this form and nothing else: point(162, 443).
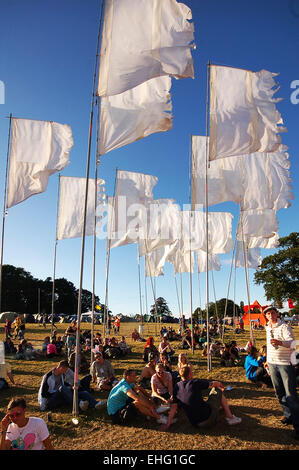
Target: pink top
point(51, 348)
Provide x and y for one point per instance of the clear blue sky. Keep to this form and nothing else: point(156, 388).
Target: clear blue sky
point(47, 53)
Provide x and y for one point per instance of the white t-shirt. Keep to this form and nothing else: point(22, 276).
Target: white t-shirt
point(30, 437)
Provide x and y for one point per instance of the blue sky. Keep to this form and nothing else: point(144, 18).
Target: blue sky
point(47, 53)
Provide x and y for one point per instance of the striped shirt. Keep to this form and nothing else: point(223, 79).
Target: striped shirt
point(284, 333)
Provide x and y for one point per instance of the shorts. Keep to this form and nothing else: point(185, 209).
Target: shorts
point(214, 401)
point(125, 414)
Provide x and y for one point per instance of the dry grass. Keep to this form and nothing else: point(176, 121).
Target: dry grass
point(259, 409)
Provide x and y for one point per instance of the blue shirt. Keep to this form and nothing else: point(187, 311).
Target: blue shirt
point(118, 397)
point(251, 364)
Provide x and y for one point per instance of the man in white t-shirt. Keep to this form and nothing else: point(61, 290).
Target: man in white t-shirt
point(21, 433)
point(280, 341)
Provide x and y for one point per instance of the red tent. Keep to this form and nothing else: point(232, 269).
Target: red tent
point(256, 313)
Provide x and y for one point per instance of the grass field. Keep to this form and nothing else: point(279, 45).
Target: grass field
point(258, 407)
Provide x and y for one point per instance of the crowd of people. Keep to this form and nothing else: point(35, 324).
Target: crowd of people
point(166, 383)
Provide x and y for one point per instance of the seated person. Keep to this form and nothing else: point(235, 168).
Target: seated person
point(97, 339)
point(123, 346)
point(215, 349)
point(45, 345)
point(5, 371)
point(165, 348)
point(227, 359)
point(25, 351)
point(58, 343)
point(83, 364)
point(135, 335)
point(234, 350)
point(9, 347)
point(111, 349)
point(148, 371)
point(51, 350)
point(187, 394)
point(182, 361)
point(162, 386)
point(187, 340)
point(102, 373)
point(55, 392)
point(163, 359)
point(149, 347)
point(255, 368)
point(126, 397)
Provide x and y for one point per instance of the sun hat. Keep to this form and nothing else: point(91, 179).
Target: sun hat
point(268, 309)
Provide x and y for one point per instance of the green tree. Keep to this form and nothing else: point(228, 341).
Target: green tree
point(231, 309)
point(279, 273)
point(19, 290)
point(162, 307)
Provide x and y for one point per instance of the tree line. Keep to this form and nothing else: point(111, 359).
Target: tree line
point(23, 293)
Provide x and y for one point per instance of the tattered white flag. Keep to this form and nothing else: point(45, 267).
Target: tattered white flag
point(38, 150)
point(135, 114)
point(243, 114)
point(144, 39)
point(255, 181)
point(214, 261)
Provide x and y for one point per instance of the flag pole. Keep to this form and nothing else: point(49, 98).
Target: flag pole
point(190, 253)
point(76, 373)
point(209, 362)
point(139, 283)
point(246, 275)
point(4, 207)
point(54, 263)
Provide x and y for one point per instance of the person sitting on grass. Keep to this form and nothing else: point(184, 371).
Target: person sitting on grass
point(150, 347)
point(183, 361)
point(51, 350)
point(164, 347)
point(126, 398)
point(125, 349)
point(83, 364)
point(135, 335)
point(102, 373)
point(187, 394)
point(227, 357)
point(25, 351)
point(9, 347)
point(54, 392)
point(162, 386)
point(163, 359)
point(148, 371)
point(58, 343)
point(255, 368)
point(45, 345)
point(21, 433)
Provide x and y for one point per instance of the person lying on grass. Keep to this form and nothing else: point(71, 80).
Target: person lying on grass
point(201, 413)
point(126, 398)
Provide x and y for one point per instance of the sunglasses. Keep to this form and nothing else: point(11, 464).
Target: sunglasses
point(15, 414)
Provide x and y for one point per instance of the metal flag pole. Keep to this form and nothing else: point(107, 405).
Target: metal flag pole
point(54, 262)
point(76, 373)
point(4, 207)
point(246, 275)
point(140, 298)
point(209, 362)
point(190, 253)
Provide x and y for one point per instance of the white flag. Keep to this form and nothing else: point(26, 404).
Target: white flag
point(38, 149)
point(163, 225)
point(255, 181)
point(144, 39)
point(253, 258)
point(71, 207)
point(194, 231)
point(183, 262)
point(135, 113)
point(257, 223)
point(127, 211)
point(214, 261)
point(243, 114)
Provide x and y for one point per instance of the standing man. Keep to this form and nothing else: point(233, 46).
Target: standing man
point(279, 341)
point(21, 433)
